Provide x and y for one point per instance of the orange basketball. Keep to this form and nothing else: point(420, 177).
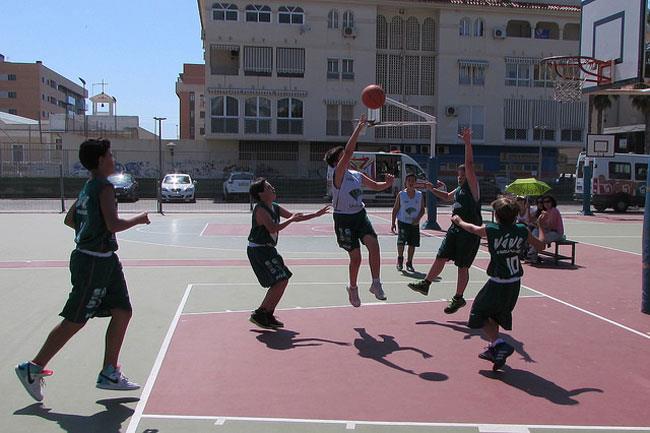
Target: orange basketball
point(373, 97)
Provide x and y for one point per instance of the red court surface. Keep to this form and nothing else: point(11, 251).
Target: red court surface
point(373, 364)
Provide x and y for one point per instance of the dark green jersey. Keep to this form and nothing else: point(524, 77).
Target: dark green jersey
point(91, 233)
point(466, 206)
point(259, 234)
point(505, 243)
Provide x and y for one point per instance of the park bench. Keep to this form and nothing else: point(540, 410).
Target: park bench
point(554, 252)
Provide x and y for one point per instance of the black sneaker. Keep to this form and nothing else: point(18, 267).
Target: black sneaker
point(400, 264)
point(409, 267)
point(501, 352)
point(488, 354)
point(455, 304)
point(273, 322)
point(421, 286)
point(261, 319)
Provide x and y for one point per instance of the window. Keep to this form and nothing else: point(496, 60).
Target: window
point(257, 116)
point(479, 26)
point(339, 125)
point(571, 135)
point(571, 32)
point(516, 134)
point(465, 75)
point(12, 111)
point(382, 33)
point(473, 117)
point(620, 170)
point(224, 12)
point(518, 29)
point(201, 114)
point(348, 19)
point(333, 19)
point(290, 116)
point(291, 15)
point(518, 74)
point(348, 69)
point(224, 60)
point(258, 14)
point(412, 34)
point(428, 35)
point(546, 30)
point(640, 171)
point(291, 62)
point(11, 77)
point(17, 153)
point(12, 95)
point(465, 26)
point(224, 115)
point(333, 69)
point(332, 119)
point(258, 61)
point(543, 75)
point(471, 74)
point(540, 134)
point(201, 131)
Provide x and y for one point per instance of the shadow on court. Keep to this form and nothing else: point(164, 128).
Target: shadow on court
point(107, 421)
point(461, 326)
point(537, 386)
point(285, 339)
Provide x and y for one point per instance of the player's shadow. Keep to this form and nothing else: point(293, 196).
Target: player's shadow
point(460, 326)
point(108, 420)
point(373, 348)
point(537, 386)
point(418, 275)
point(285, 339)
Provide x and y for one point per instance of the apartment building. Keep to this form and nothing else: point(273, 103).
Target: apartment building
point(190, 88)
point(34, 91)
point(283, 80)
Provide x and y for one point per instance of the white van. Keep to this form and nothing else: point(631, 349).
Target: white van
point(375, 165)
point(617, 182)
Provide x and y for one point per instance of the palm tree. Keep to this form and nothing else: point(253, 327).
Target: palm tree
point(601, 103)
point(642, 103)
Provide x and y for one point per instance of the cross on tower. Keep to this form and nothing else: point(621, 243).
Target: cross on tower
point(103, 84)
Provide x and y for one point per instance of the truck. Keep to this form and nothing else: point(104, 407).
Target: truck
point(618, 182)
point(376, 165)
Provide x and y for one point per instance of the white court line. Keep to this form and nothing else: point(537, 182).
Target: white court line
point(501, 427)
point(204, 229)
point(611, 248)
point(146, 392)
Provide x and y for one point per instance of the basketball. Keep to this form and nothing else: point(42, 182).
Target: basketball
point(373, 97)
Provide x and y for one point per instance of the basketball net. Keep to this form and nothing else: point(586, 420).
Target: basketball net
point(569, 74)
point(568, 89)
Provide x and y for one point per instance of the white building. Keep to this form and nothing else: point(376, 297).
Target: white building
point(283, 80)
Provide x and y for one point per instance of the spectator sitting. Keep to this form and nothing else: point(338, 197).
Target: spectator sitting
point(551, 220)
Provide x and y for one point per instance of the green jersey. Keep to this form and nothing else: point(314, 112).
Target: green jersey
point(505, 243)
point(466, 206)
point(259, 235)
point(90, 229)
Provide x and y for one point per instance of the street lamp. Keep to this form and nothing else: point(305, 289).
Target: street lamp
point(83, 82)
point(160, 158)
point(171, 145)
point(541, 129)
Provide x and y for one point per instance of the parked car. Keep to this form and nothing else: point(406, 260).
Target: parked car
point(237, 184)
point(178, 187)
point(126, 187)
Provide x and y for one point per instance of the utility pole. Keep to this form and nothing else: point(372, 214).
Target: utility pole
point(160, 160)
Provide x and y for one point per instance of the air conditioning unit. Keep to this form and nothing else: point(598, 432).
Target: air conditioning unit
point(450, 111)
point(499, 32)
point(349, 32)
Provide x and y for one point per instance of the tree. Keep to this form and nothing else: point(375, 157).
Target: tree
point(642, 103)
point(601, 103)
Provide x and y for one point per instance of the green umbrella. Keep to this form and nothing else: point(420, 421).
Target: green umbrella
point(528, 186)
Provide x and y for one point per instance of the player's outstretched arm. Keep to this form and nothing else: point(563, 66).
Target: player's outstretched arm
point(113, 222)
point(442, 195)
point(377, 186)
point(470, 172)
point(304, 217)
point(69, 216)
point(477, 230)
point(264, 218)
point(348, 152)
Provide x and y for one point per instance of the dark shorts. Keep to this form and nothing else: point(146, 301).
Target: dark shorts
point(495, 301)
point(459, 246)
point(408, 234)
point(351, 229)
point(98, 286)
point(268, 265)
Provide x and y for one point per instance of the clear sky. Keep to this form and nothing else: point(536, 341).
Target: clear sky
point(138, 47)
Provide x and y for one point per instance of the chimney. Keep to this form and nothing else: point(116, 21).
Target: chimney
point(39, 62)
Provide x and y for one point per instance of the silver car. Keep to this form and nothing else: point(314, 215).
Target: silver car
point(237, 184)
point(178, 187)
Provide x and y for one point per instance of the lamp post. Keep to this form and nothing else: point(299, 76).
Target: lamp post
point(83, 82)
point(160, 159)
point(541, 130)
point(171, 145)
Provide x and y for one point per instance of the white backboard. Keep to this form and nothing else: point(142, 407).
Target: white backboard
point(614, 30)
point(600, 145)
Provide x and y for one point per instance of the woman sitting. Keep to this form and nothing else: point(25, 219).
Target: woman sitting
point(551, 223)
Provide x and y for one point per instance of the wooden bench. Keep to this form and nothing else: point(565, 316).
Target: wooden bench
point(555, 253)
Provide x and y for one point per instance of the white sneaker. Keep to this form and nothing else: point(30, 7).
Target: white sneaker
point(353, 296)
point(112, 378)
point(378, 291)
point(31, 376)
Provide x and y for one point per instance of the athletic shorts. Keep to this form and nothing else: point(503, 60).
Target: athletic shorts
point(459, 246)
point(351, 229)
point(408, 234)
point(98, 286)
point(268, 265)
point(495, 301)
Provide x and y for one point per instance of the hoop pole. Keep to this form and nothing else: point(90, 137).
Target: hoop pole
point(645, 292)
point(432, 173)
point(586, 188)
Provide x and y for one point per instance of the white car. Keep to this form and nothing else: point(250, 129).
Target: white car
point(178, 187)
point(237, 184)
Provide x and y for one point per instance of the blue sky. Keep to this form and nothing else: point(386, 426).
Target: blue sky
point(138, 47)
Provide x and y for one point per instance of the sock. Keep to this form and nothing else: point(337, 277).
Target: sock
point(376, 281)
point(457, 296)
point(400, 260)
point(498, 341)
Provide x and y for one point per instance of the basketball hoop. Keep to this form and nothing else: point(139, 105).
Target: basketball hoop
point(571, 72)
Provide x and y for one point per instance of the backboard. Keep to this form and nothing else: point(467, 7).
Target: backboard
point(614, 30)
point(600, 145)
